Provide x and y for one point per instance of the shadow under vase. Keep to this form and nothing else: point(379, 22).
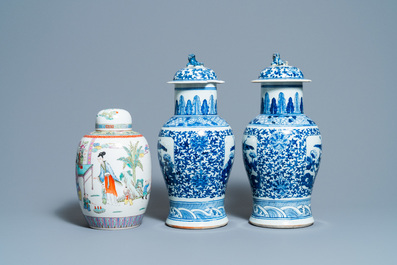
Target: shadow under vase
point(71, 213)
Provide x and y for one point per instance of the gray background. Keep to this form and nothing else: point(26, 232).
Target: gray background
point(63, 61)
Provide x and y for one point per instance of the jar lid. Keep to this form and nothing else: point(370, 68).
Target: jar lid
point(280, 71)
point(113, 119)
point(195, 72)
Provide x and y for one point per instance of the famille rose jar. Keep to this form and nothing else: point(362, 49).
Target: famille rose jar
point(113, 173)
point(281, 151)
point(196, 151)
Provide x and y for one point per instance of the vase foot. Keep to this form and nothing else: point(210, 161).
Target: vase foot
point(197, 225)
point(204, 213)
point(298, 223)
point(114, 228)
point(114, 223)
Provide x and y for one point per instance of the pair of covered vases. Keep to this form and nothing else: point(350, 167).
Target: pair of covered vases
point(281, 152)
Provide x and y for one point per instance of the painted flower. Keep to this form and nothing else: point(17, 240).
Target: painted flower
point(199, 142)
point(279, 141)
point(199, 180)
point(308, 180)
point(281, 185)
point(167, 158)
point(312, 161)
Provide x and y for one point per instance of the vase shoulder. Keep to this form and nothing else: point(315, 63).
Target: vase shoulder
point(265, 120)
point(191, 121)
point(113, 133)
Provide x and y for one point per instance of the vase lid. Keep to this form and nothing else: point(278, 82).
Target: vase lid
point(113, 120)
point(280, 71)
point(195, 72)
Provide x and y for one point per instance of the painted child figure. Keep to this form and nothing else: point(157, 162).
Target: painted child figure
point(145, 190)
point(87, 202)
point(127, 196)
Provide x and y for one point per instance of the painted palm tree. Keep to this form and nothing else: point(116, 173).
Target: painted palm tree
point(133, 159)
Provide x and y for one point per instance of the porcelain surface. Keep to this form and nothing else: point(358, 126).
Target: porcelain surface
point(113, 173)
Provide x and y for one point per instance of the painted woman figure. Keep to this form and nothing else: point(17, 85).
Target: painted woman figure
point(107, 177)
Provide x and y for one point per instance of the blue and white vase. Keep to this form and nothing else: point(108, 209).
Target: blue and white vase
point(196, 151)
point(281, 151)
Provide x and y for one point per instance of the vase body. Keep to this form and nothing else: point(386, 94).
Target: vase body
point(113, 173)
point(196, 152)
point(282, 152)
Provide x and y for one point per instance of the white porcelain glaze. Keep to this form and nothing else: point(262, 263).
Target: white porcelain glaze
point(113, 173)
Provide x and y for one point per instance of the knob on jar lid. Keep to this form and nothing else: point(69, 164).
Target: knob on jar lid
point(195, 72)
point(280, 71)
point(113, 119)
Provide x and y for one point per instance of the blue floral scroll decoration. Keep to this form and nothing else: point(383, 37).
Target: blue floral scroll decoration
point(286, 168)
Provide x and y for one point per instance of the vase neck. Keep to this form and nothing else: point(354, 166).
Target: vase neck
point(195, 99)
point(282, 99)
